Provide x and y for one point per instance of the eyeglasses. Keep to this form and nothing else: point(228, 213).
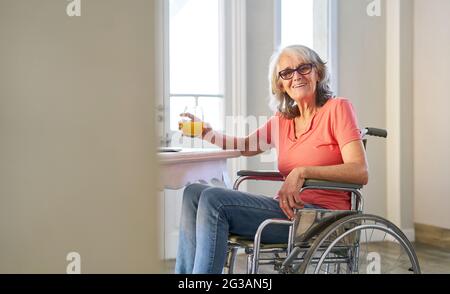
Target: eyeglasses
point(303, 69)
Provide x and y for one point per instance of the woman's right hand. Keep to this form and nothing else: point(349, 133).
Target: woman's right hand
point(288, 194)
point(193, 126)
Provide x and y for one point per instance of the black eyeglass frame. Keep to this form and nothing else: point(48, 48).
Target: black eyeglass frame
point(290, 71)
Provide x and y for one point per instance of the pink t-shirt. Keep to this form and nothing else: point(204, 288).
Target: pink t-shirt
point(333, 126)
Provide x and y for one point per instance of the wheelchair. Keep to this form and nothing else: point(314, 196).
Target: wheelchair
point(325, 241)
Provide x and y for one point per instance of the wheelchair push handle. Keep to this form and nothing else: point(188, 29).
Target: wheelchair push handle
point(375, 132)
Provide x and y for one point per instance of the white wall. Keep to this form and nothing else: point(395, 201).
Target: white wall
point(431, 112)
point(76, 117)
point(260, 46)
point(399, 108)
point(362, 66)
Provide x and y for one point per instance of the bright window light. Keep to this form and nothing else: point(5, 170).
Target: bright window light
point(297, 22)
point(194, 47)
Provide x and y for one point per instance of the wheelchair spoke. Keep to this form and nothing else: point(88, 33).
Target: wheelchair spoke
point(371, 234)
point(367, 243)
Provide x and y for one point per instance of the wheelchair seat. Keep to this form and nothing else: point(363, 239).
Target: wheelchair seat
point(248, 243)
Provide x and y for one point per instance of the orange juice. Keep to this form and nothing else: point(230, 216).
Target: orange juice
point(191, 128)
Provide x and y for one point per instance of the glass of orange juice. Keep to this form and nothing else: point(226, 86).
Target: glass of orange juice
point(191, 124)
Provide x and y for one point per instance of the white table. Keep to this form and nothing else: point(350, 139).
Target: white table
point(177, 169)
point(193, 165)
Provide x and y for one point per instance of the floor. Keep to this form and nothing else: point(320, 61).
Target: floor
point(433, 260)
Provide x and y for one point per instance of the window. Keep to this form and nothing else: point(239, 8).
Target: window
point(312, 23)
point(195, 62)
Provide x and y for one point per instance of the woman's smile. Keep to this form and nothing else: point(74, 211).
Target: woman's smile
point(299, 85)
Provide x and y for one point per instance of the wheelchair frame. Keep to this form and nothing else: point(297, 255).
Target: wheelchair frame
point(291, 262)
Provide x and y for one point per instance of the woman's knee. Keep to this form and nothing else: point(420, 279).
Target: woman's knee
point(192, 192)
point(214, 197)
point(191, 197)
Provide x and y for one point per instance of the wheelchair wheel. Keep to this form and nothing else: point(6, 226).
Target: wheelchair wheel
point(360, 244)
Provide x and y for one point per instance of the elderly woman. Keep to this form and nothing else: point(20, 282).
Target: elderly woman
point(316, 136)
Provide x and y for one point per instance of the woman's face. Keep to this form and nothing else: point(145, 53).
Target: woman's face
point(300, 86)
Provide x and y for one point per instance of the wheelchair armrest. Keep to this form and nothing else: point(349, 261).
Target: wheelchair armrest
point(259, 173)
point(357, 201)
point(309, 183)
point(318, 184)
point(244, 175)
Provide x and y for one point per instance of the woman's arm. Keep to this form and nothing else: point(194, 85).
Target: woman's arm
point(243, 144)
point(251, 145)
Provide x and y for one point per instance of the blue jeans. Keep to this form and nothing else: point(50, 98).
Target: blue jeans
point(210, 214)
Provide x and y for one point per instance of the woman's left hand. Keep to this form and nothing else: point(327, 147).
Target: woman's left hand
point(289, 192)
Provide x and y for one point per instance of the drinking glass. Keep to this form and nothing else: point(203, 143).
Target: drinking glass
point(191, 124)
